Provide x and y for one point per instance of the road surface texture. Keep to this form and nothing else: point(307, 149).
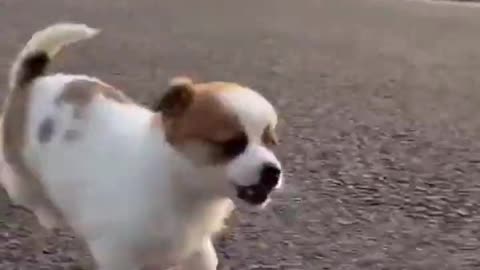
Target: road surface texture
point(379, 121)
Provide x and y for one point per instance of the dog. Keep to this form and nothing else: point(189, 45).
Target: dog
point(144, 188)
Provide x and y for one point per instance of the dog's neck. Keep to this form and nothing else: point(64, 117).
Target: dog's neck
point(184, 177)
point(199, 203)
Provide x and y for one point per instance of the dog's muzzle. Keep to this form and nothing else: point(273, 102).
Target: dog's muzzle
point(258, 193)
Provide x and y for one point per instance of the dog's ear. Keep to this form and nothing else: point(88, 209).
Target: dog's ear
point(269, 137)
point(177, 99)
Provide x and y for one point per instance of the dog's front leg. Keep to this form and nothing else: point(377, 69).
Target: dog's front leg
point(112, 255)
point(204, 259)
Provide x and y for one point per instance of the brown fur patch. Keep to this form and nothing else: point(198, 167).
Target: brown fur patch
point(269, 137)
point(206, 121)
point(177, 99)
point(114, 94)
point(216, 87)
point(80, 93)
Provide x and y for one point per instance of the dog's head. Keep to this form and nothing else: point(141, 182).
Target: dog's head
point(225, 128)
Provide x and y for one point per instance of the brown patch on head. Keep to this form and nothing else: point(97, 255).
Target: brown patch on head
point(269, 137)
point(195, 119)
point(177, 99)
point(80, 93)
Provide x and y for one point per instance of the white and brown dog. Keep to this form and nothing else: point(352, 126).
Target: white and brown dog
point(142, 188)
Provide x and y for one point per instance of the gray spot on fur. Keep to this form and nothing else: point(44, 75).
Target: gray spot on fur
point(46, 130)
point(71, 135)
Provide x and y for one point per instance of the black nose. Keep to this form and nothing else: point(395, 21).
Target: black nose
point(270, 175)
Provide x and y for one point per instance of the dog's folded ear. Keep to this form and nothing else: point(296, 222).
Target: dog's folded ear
point(269, 137)
point(177, 99)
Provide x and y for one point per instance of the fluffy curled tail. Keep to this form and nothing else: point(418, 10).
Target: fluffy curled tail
point(34, 58)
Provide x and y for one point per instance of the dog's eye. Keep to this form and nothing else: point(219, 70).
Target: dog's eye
point(234, 146)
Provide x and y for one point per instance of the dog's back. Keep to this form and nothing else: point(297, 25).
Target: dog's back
point(21, 183)
point(61, 132)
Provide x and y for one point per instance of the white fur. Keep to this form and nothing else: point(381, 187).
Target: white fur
point(255, 113)
point(51, 40)
point(135, 200)
point(114, 186)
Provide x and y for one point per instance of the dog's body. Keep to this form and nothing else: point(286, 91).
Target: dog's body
point(142, 188)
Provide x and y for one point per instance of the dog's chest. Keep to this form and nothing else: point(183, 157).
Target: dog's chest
point(184, 231)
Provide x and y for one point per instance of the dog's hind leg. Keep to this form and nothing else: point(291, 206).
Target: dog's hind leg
point(27, 193)
point(22, 192)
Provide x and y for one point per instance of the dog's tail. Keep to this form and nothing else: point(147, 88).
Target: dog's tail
point(34, 58)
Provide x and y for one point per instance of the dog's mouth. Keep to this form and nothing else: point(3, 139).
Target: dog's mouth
point(254, 194)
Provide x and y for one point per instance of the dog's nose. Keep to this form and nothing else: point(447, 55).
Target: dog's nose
point(270, 175)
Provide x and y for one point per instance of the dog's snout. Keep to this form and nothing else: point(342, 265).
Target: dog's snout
point(270, 175)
